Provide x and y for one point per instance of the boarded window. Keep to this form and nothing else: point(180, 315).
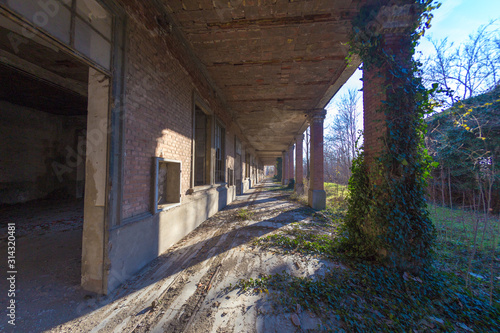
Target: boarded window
point(167, 183)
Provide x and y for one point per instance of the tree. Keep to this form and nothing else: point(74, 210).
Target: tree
point(468, 70)
point(340, 147)
point(465, 140)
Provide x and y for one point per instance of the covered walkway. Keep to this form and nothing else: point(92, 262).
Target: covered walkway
point(186, 289)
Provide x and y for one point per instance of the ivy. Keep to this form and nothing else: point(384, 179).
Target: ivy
point(387, 217)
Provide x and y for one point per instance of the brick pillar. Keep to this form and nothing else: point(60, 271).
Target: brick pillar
point(317, 195)
point(284, 168)
point(390, 132)
point(299, 166)
point(394, 24)
point(291, 171)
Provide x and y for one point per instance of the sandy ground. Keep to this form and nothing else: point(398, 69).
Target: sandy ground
point(186, 289)
point(48, 261)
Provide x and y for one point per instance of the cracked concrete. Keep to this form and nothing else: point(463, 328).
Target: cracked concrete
point(186, 289)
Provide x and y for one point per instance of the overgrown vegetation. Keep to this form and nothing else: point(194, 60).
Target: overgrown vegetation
point(371, 297)
point(302, 239)
point(465, 140)
point(387, 218)
point(279, 169)
point(458, 293)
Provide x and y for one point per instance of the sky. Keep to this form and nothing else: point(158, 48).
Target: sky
point(455, 19)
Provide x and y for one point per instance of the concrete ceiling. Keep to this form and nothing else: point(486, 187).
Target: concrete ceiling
point(274, 61)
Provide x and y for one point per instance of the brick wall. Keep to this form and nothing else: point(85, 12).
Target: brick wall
point(159, 85)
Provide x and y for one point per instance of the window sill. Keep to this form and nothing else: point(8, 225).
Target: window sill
point(202, 188)
point(165, 207)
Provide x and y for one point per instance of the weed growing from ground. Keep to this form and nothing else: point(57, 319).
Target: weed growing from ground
point(244, 214)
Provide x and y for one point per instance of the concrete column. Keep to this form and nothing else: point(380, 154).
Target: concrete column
point(299, 166)
point(95, 240)
point(317, 195)
point(291, 172)
point(284, 168)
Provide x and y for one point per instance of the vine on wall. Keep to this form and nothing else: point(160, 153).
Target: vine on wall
point(387, 217)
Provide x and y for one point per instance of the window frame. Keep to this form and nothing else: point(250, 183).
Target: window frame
point(220, 175)
point(168, 205)
point(199, 104)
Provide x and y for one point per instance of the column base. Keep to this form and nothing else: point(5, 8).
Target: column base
point(299, 188)
point(285, 182)
point(317, 199)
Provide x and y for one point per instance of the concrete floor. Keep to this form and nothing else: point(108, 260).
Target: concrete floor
point(188, 284)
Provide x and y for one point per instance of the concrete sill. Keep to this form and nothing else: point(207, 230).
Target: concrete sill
point(202, 188)
point(162, 208)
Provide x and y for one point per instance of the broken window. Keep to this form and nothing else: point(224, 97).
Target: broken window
point(220, 154)
point(167, 183)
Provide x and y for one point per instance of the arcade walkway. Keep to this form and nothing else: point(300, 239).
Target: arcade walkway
point(186, 289)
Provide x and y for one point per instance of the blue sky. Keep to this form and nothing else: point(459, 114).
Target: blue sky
point(455, 19)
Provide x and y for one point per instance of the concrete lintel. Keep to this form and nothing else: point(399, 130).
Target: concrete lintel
point(317, 199)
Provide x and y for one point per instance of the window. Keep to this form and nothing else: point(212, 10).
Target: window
point(220, 154)
point(82, 24)
point(167, 184)
point(247, 165)
point(202, 147)
point(230, 176)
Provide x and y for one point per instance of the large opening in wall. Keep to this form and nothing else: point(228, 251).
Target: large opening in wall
point(53, 162)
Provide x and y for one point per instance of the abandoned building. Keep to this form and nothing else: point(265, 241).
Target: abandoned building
point(153, 115)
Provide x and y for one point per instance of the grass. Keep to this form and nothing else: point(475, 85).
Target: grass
point(299, 239)
point(458, 226)
point(244, 214)
point(370, 297)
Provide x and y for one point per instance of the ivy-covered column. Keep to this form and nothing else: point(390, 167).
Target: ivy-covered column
point(317, 195)
point(299, 166)
point(387, 216)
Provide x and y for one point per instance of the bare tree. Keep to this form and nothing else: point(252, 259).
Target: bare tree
point(340, 148)
point(467, 70)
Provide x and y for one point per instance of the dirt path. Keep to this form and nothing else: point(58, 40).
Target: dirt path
point(186, 289)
